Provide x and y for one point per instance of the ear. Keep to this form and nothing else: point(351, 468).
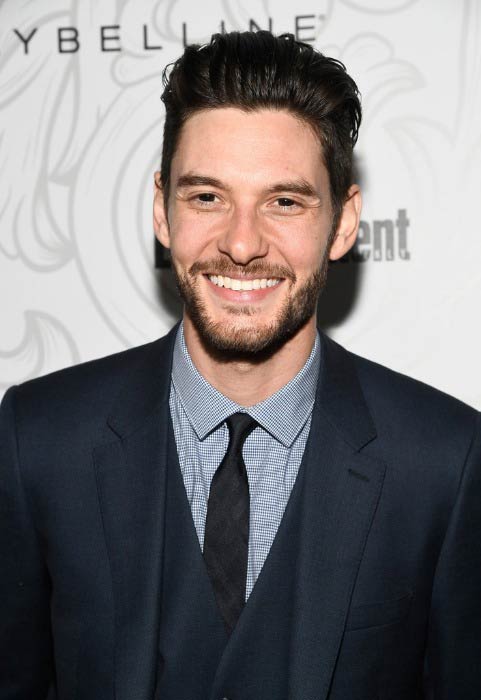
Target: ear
point(348, 226)
point(161, 225)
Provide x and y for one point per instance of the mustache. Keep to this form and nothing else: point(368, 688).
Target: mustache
point(221, 266)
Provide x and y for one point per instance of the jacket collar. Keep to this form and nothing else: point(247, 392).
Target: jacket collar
point(147, 386)
point(339, 392)
point(340, 396)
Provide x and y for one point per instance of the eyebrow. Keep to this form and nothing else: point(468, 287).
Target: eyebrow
point(300, 186)
point(191, 180)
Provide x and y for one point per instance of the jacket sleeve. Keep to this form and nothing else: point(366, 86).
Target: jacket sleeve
point(26, 666)
point(453, 655)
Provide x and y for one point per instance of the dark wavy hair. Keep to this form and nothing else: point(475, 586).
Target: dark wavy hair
point(255, 70)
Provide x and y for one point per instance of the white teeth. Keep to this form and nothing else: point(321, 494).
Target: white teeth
point(244, 285)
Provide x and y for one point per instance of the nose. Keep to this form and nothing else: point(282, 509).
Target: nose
point(243, 240)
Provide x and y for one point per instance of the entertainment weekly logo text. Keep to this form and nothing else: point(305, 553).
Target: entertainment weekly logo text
point(381, 239)
point(378, 240)
point(68, 39)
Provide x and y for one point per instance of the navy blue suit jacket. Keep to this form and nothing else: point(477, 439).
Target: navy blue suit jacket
point(390, 601)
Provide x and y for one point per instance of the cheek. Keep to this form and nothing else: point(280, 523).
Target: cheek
point(192, 235)
point(306, 262)
point(303, 236)
point(304, 250)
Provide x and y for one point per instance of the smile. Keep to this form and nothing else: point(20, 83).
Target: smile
point(243, 285)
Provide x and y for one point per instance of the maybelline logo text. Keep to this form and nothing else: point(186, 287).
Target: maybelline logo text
point(69, 38)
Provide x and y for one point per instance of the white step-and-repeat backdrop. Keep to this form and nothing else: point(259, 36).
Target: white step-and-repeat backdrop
point(80, 136)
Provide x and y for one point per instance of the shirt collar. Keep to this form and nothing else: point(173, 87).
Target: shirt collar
point(282, 415)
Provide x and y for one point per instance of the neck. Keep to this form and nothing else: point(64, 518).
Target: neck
point(248, 383)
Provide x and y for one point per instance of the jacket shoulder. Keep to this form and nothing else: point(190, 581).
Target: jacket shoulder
point(402, 387)
point(411, 410)
point(81, 397)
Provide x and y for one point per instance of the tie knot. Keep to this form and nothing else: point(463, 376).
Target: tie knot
point(240, 426)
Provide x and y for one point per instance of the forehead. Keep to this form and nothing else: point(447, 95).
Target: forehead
point(255, 146)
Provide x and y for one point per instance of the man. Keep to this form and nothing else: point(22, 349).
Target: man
point(243, 509)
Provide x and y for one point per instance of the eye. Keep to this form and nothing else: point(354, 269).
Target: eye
point(206, 197)
point(287, 205)
point(286, 202)
point(205, 200)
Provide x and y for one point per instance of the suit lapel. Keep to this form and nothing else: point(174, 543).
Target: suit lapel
point(341, 490)
point(131, 473)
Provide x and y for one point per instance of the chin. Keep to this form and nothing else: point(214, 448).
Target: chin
point(252, 342)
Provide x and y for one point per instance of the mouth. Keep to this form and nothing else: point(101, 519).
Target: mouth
point(243, 285)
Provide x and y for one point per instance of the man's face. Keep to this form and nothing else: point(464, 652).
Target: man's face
point(248, 224)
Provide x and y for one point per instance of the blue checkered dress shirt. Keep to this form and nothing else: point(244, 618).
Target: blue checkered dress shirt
point(272, 452)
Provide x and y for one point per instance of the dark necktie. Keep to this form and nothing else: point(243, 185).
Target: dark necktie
point(226, 539)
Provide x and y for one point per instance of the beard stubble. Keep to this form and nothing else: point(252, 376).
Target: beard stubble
point(250, 343)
